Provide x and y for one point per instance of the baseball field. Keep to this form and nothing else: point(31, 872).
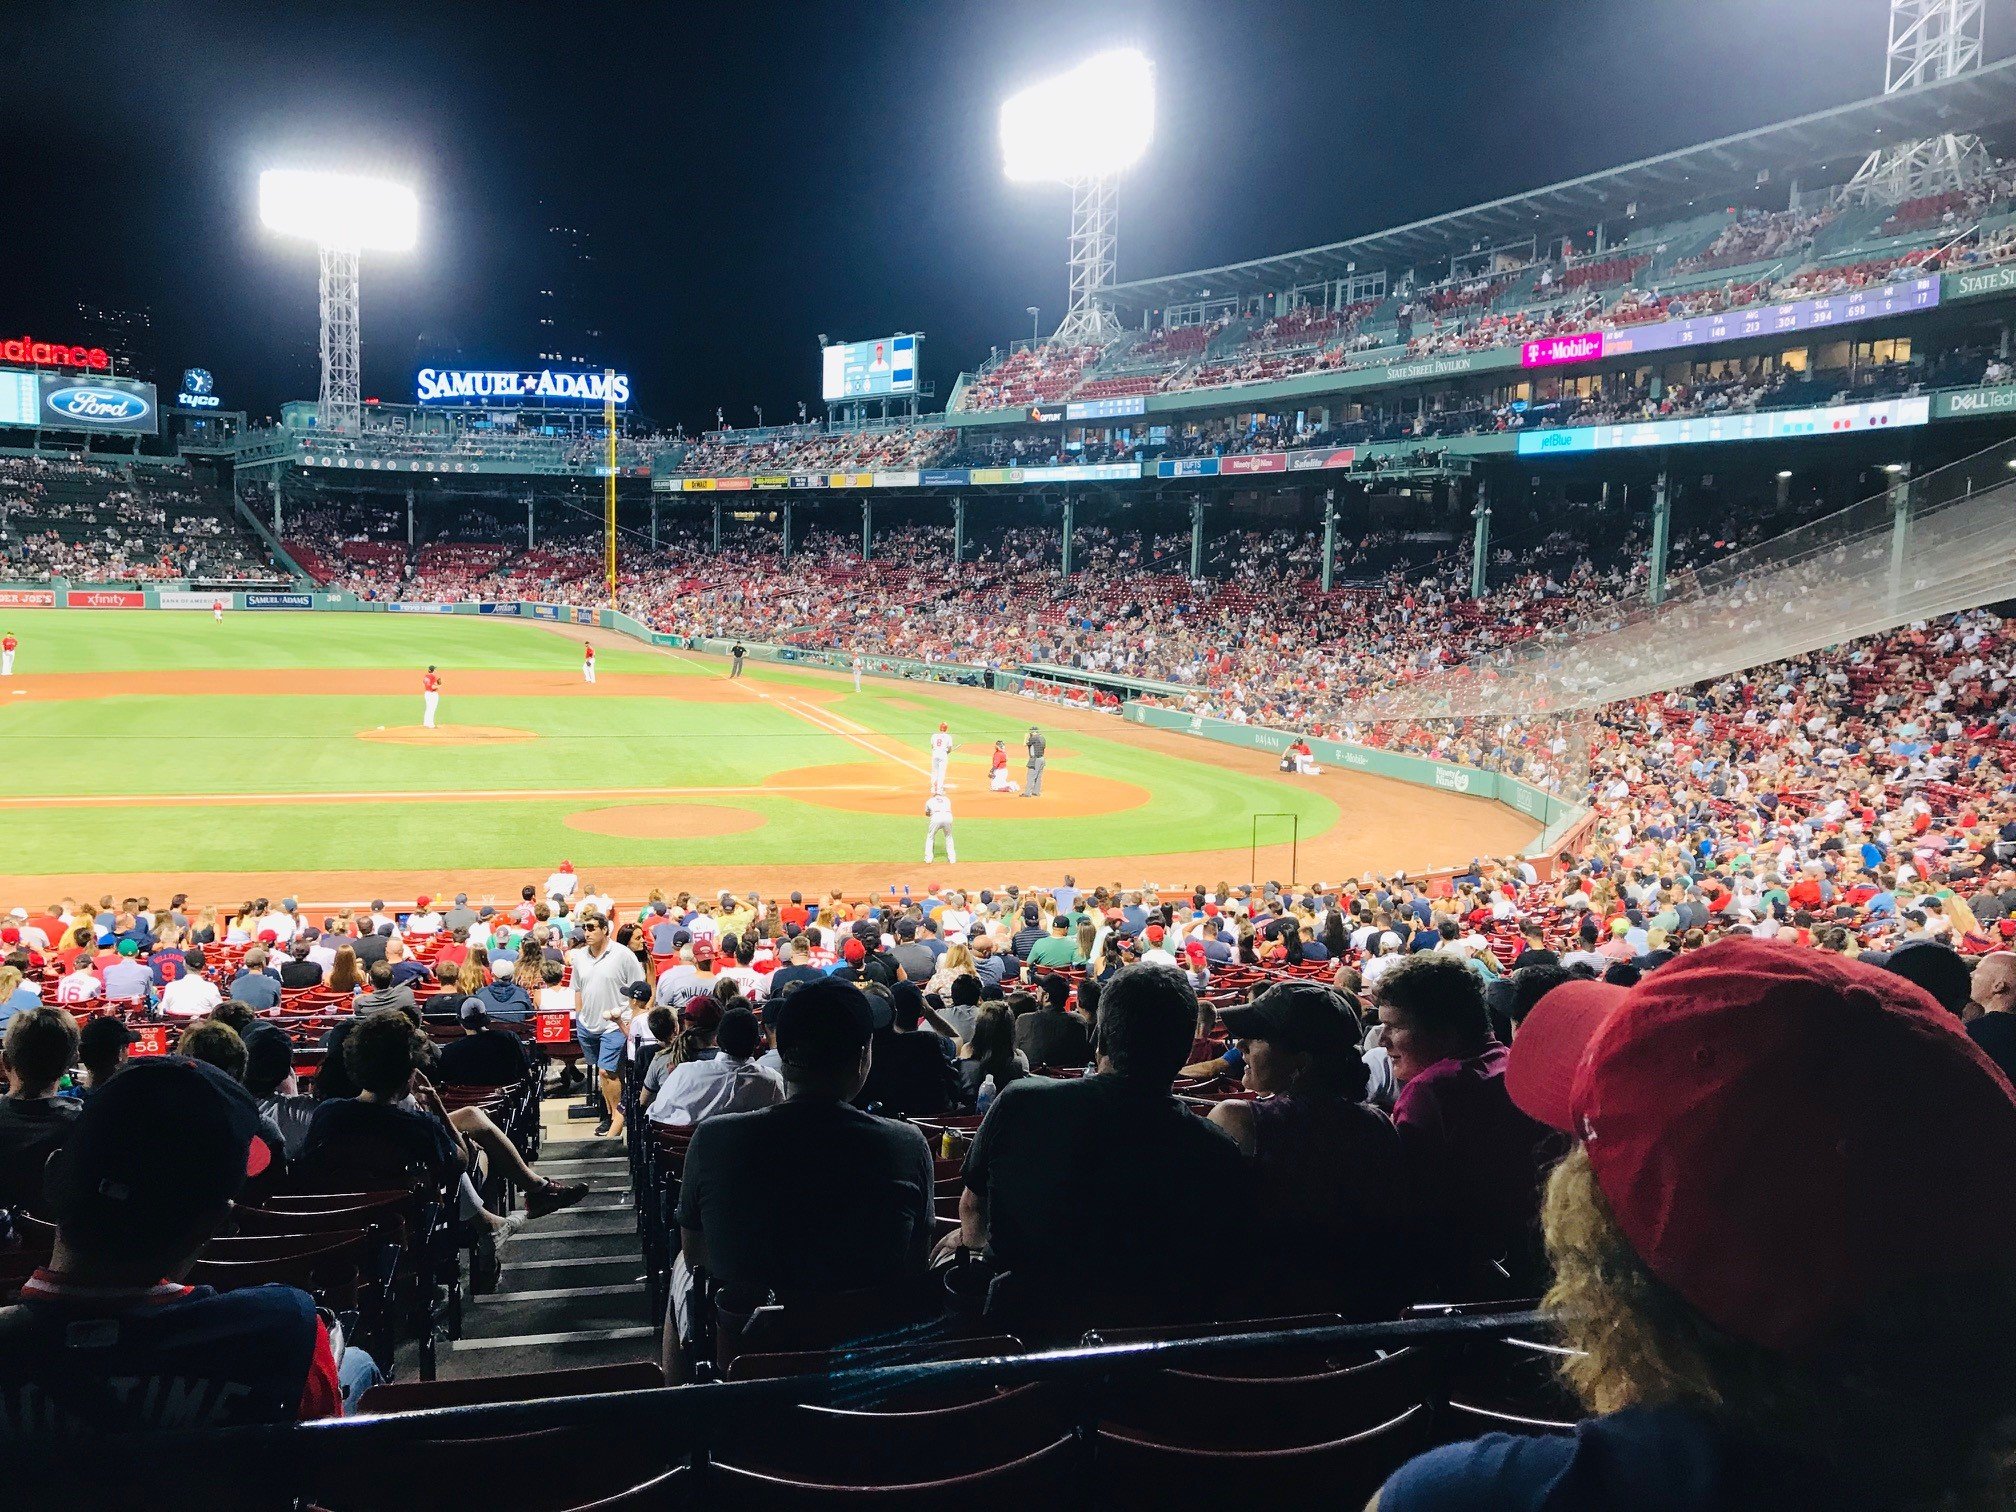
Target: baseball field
point(161, 751)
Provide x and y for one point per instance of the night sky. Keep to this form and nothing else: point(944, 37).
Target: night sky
point(755, 174)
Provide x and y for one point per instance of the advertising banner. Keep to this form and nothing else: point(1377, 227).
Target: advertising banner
point(771, 480)
point(103, 598)
point(895, 479)
point(584, 616)
point(1552, 350)
point(1335, 456)
point(545, 611)
point(1986, 281)
point(510, 609)
point(942, 477)
point(1187, 467)
point(169, 598)
point(697, 485)
point(1253, 462)
point(732, 485)
point(119, 405)
point(279, 600)
point(805, 480)
point(1960, 403)
point(850, 480)
point(402, 607)
point(27, 598)
point(1768, 425)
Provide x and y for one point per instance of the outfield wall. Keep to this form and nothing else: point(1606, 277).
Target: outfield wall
point(1559, 818)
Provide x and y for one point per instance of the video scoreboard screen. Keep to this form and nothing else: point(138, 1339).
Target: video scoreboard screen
point(870, 369)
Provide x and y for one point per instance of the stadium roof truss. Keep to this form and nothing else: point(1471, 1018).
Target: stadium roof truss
point(1834, 139)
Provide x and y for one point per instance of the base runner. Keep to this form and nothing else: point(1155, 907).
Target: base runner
point(7, 645)
point(587, 662)
point(430, 697)
point(938, 811)
point(941, 752)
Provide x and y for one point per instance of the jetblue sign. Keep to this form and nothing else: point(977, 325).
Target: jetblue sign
point(546, 386)
point(98, 404)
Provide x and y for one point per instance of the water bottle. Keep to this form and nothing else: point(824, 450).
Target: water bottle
point(986, 1097)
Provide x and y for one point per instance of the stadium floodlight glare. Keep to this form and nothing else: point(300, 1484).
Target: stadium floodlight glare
point(1084, 128)
point(344, 215)
point(340, 210)
point(1092, 122)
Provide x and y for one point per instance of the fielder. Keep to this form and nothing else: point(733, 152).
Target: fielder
point(7, 645)
point(430, 697)
point(857, 671)
point(938, 811)
point(587, 662)
point(941, 753)
point(217, 610)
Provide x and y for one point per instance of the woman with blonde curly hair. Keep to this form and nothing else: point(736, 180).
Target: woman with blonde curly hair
point(1784, 1251)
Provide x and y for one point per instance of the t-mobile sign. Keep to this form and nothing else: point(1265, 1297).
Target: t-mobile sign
point(1549, 351)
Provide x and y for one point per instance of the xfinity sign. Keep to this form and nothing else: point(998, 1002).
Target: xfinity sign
point(458, 386)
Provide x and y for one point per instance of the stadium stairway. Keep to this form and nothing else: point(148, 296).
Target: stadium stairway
point(572, 1290)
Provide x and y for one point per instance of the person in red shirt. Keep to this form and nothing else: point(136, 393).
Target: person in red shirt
point(217, 610)
point(7, 645)
point(430, 697)
point(587, 662)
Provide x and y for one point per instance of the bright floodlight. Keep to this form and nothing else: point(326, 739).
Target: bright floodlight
point(339, 210)
point(1089, 123)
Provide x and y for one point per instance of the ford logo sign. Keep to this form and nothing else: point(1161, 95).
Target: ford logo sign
point(98, 406)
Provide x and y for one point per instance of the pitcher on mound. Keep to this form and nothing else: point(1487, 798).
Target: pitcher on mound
point(941, 753)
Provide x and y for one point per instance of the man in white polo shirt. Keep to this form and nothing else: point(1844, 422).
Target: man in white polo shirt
point(602, 970)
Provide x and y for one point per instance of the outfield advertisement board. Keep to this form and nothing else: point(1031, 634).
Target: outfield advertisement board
point(27, 598)
point(279, 600)
point(507, 609)
point(546, 611)
point(104, 598)
point(583, 616)
point(169, 598)
point(401, 607)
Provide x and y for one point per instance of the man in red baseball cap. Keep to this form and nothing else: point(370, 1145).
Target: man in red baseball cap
point(1784, 1246)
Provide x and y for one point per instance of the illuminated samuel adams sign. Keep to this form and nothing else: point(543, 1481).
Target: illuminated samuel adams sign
point(458, 386)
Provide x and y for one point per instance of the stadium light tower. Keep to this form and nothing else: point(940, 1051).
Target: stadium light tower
point(1084, 128)
point(1930, 40)
point(344, 216)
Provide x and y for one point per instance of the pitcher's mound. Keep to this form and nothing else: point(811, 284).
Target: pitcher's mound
point(666, 821)
point(447, 735)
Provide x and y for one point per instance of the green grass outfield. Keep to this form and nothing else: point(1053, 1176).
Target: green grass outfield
point(167, 745)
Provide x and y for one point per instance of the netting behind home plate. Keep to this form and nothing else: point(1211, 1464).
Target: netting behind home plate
point(1869, 568)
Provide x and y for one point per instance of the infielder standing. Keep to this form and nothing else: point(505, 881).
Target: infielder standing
point(941, 752)
point(587, 662)
point(7, 645)
point(938, 811)
point(857, 671)
point(217, 610)
point(1034, 745)
point(430, 697)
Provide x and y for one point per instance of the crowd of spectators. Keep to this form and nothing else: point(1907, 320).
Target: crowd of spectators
point(91, 523)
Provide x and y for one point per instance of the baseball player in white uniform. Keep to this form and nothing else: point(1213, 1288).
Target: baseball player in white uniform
point(857, 671)
point(430, 697)
point(938, 810)
point(587, 661)
point(941, 753)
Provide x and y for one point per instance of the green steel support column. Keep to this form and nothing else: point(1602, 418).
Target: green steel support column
point(958, 529)
point(717, 527)
point(1662, 531)
point(530, 527)
point(1900, 523)
point(654, 524)
point(1070, 524)
point(409, 519)
point(787, 531)
point(867, 528)
point(1197, 536)
point(1480, 544)
point(1329, 538)
point(278, 528)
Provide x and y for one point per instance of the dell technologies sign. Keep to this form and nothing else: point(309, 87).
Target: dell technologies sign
point(459, 386)
point(98, 404)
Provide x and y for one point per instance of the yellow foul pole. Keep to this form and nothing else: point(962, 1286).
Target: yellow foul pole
point(609, 489)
